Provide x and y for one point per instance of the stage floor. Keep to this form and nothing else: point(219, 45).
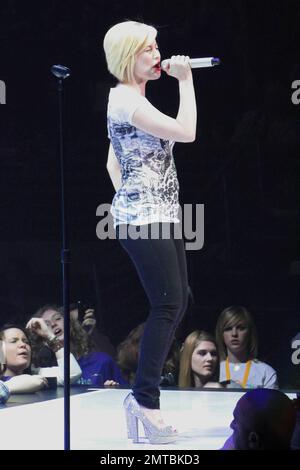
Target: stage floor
point(98, 422)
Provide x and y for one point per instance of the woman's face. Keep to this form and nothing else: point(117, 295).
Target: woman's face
point(236, 337)
point(204, 359)
point(17, 350)
point(55, 322)
point(147, 63)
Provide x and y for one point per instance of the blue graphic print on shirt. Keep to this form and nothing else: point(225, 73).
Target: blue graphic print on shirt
point(149, 191)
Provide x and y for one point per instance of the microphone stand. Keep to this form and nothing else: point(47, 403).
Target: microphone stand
point(61, 72)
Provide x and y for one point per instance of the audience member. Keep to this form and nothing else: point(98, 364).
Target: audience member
point(237, 345)
point(18, 384)
point(86, 317)
point(98, 368)
point(199, 363)
point(295, 443)
point(18, 355)
point(128, 353)
point(264, 419)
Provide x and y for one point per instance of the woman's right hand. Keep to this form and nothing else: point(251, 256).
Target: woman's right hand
point(40, 327)
point(89, 320)
point(39, 382)
point(179, 67)
point(111, 383)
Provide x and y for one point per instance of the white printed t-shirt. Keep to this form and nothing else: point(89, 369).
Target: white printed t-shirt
point(149, 191)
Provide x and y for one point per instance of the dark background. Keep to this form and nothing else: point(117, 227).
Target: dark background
point(244, 165)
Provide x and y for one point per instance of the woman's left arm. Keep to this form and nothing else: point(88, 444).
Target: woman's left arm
point(75, 370)
point(58, 371)
point(26, 383)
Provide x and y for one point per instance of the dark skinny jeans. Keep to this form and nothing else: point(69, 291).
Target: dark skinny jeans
point(161, 266)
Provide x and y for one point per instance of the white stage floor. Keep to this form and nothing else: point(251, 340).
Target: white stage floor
point(98, 422)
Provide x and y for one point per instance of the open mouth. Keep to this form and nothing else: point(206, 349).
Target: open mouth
point(57, 332)
point(23, 354)
point(157, 67)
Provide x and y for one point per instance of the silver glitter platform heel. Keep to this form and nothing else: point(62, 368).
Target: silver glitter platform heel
point(154, 434)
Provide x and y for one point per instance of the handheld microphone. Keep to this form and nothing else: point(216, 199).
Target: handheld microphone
point(195, 63)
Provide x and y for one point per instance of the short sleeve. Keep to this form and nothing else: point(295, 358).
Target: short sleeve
point(131, 103)
point(271, 380)
point(123, 103)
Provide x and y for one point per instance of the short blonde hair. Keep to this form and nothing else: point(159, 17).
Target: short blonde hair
point(121, 44)
point(230, 317)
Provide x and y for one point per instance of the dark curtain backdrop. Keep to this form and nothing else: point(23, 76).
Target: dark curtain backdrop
point(244, 165)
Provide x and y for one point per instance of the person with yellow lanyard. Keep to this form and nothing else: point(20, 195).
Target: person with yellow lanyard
point(237, 343)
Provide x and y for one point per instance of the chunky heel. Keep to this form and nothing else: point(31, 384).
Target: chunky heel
point(132, 427)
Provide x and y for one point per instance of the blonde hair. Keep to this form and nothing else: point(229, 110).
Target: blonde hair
point(122, 43)
point(230, 317)
point(192, 341)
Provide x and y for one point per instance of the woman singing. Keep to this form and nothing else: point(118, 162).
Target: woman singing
point(141, 166)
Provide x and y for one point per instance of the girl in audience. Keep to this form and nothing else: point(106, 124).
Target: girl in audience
point(23, 383)
point(18, 356)
point(199, 363)
point(128, 356)
point(87, 319)
point(237, 344)
point(98, 368)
